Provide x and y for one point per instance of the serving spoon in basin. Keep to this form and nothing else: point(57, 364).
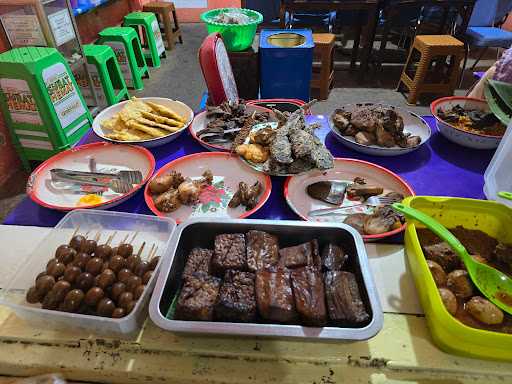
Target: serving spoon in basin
point(493, 284)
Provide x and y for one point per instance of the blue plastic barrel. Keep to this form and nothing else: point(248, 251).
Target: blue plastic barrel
point(286, 60)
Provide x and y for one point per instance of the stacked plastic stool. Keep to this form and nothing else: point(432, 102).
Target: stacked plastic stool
point(126, 45)
point(106, 74)
point(43, 107)
point(147, 24)
point(166, 14)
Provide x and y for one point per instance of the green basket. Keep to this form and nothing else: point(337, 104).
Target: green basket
point(236, 37)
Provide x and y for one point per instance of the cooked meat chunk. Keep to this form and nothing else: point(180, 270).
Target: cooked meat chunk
point(384, 138)
point(197, 297)
point(413, 141)
point(449, 300)
point(344, 301)
point(274, 296)
point(308, 291)
point(437, 273)
point(229, 253)
point(363, 190)
point(237, 299)
point(365, 138)
point(262, 250)
point(356, 221)
point(484, 311)
point(302, 143)
point(443, 255)
point(333, 257)
point(168, 201)
point(198, 261)
point(300, 255)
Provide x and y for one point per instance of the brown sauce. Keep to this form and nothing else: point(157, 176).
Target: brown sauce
point(477, 243)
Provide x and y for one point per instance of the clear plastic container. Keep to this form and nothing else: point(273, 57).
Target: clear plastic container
point(498, 176)
point(148, 229)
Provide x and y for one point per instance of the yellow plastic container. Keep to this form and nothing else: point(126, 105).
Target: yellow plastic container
point(448, 333)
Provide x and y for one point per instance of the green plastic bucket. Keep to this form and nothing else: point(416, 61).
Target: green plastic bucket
point(236, 37)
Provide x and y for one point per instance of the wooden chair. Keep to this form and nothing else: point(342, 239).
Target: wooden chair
point(446, 52)
point(163, 12)
point(323, 77)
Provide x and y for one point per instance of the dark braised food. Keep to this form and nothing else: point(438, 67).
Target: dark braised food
point(291, 285)
point(236, 301)
point(460, 296)
point(198, 297)
point(472, 120)
point(308, 291)
point(274, 296)
point(344, 301)
point(300, 255)
point(262, 250)
point(229, 253)
point(98, 280)
point(374, 125)
point(246, 196)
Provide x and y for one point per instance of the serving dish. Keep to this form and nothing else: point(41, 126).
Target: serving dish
point(413, 125)
point(228, 171)
point(149, 229)
point(181, 108)
point(289, 233)
point(344, 170)
point(448, 333)
point(458, 135)
point(201, 121)
point(108, 157)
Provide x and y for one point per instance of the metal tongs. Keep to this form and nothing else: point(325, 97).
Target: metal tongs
point(119, 182)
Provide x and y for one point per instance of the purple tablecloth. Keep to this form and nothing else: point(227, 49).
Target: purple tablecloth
point(438, 168)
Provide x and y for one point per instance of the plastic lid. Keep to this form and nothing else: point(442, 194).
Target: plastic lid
point(497, 175)
point(217, 71)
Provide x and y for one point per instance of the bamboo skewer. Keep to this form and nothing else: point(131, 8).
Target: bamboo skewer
point(141, 249)
point(111, 237)
point(76, 231)
point(134, 236)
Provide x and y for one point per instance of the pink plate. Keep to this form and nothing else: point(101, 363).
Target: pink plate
point(228, 170)
point(344, 170)
point(109, 158)
point(200, 121)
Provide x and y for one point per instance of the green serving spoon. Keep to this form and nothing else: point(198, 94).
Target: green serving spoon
point(494, 285)
point(505, 195)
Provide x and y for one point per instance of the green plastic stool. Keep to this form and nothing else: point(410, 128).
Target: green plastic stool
point(41, 102)
point(126, 45)
point(106, 75)
point(153, 46)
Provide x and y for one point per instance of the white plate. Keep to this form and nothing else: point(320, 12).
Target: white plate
point(413, 124)
point(177, 106)
point(109, 158)
point(201, 121)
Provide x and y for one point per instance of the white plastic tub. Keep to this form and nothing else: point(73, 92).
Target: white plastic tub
point(150, 229)
point(498, 175)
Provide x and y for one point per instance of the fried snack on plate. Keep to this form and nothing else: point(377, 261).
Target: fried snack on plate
point(164, 111)
point(155, 132)
point(152, 123)
point(162, 119)
point(128, 136)
point(253, 152)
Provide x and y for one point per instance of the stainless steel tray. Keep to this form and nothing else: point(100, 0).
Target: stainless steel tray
point(201, 233)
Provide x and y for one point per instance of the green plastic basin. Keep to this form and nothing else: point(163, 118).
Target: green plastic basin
point(236, 37)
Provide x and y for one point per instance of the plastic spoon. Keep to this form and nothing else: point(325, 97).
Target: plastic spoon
point(505, 195)
point(494, 285)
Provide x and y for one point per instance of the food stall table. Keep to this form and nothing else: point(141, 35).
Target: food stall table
point(402, 352)
point(438, 168)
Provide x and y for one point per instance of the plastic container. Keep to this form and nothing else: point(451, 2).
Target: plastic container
point(237, 37)
point(448, 333)
point(289, 233)
point(150, 229)
point(497, 176)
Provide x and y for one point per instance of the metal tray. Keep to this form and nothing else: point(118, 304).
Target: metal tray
point(201, 233)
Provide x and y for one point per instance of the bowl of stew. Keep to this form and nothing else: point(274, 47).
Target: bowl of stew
point(468, 122)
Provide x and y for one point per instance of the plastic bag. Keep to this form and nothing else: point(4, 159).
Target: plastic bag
point(232, 17)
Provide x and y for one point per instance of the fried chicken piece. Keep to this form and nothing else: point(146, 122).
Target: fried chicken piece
point(253, 152)
point(168, 201)
point(163, 183)
point(189, 189)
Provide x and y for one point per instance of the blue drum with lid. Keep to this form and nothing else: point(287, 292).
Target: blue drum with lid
point(286, 60)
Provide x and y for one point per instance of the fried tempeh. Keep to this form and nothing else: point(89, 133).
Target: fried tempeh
point(152, 123)
point(165, 111)
point(144, 128)
point(162, 119)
